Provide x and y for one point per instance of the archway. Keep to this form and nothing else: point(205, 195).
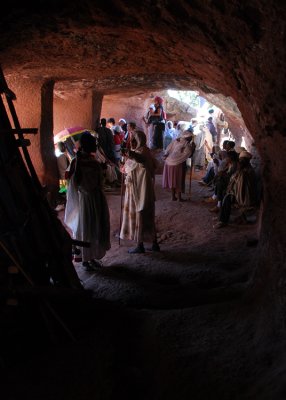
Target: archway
point(215, 47)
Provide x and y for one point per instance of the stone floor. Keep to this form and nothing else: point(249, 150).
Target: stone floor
point(161, 325)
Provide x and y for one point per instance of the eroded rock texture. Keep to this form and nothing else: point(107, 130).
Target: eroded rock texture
point(234, 49)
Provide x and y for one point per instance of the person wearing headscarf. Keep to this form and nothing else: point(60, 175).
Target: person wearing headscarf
point(204, 143)
point(118, 138)
point(240, 190)
point(87, 213)
point(138, 218)
point(176, 155)
point(169, 134)
point(148, 126)
point(123, 124)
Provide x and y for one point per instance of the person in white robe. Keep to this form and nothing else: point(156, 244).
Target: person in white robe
point(138, 219)
point(87, 213)
point(204, 143)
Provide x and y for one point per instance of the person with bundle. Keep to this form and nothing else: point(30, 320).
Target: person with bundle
point(176, 155)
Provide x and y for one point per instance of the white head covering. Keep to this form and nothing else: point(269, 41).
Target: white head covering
point(183, 126)
point(179, 150)
point(117, 128)
point(152, 106)
point(122, 120)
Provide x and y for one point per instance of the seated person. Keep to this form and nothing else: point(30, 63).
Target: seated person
point(212, 167)
point(240, 190)
point(222, 179)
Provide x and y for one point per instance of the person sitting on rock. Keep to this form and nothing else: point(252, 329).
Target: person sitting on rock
point(222, 179)
point(212, 167)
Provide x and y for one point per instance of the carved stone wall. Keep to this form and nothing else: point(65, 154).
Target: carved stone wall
point(236, 49)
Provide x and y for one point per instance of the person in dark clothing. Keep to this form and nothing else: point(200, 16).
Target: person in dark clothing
point(222, 179)
point(230, 145)
point(111, 124)
point(126, 143)
point(123, 124)
point(105, 140)
point(240, 190)
point(158, 119)
point(212, 129)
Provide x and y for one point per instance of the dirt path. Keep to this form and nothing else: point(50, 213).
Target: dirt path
point(162, 326)
point(193, 255)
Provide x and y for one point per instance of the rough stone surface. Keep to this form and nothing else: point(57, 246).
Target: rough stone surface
point(235, 49)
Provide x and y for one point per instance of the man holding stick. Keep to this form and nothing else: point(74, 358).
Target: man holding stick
point(138, 218)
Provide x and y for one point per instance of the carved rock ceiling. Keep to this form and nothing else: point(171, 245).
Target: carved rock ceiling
point(117, 46)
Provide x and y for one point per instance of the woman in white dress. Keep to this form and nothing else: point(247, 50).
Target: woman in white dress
point(87, 213)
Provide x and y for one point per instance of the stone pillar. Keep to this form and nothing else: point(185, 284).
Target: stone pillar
point(96, 109)
point(47, 148)
point(72, 108)
point(28, 109)
point(34, 108)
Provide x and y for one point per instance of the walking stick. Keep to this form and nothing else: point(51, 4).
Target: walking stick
point(191, 169)
point(121, 202)
point(190, 178)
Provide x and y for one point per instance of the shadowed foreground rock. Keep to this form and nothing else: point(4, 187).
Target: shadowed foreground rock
point(61, 59)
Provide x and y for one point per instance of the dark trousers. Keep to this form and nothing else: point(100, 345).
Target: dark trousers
point(225, 208)
point(159, 129)
point(209, 176)
point(221, 183)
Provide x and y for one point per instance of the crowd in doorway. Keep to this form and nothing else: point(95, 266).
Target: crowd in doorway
point(120, 155)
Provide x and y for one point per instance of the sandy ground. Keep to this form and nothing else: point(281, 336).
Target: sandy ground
point(193, 253)
point(173, 324)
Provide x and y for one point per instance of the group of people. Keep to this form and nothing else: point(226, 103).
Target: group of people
point(128, 150)
point(87, 212)
point(233, 180)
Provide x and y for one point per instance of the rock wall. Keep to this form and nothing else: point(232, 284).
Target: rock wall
point(232, 48)
point(73, 109)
